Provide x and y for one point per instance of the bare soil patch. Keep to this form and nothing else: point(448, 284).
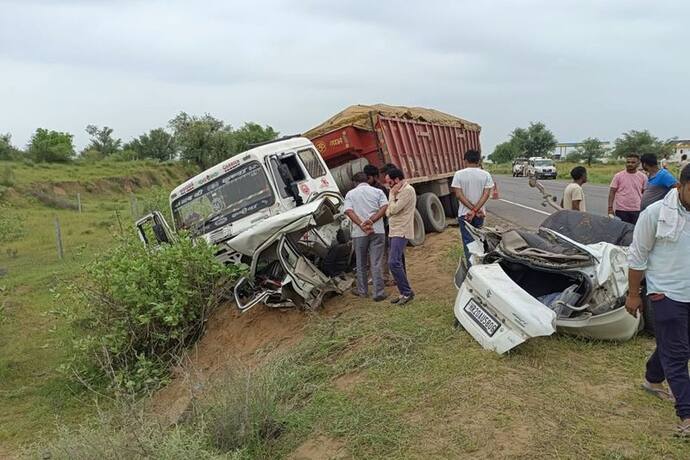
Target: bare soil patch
point(320, 448)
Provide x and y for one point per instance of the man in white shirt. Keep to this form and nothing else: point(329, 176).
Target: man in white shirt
point(660, 252)
point(365, 206)
point(472, 186)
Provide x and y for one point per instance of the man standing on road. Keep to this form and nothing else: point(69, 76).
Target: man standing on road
point(365, 206)
point(683, 161)
point(401, 208)
point(573, 195)
point(659, 182)
point(660, 252)
point(472, 186)
point(625, 193)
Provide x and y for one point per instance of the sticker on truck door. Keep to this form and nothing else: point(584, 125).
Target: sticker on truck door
point(483, 318)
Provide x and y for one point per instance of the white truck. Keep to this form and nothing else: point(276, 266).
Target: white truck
point(275, 209)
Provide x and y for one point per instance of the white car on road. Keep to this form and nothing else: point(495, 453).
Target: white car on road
point(542, 168)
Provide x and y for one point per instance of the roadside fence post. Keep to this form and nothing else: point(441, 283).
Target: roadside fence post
point(58, 239)
point(134, 207)
point(79, 201)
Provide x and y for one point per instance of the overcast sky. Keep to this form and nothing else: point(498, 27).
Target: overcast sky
point(583, 67)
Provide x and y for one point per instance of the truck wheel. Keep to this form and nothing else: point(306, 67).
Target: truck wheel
point(419, 233)
point(432, 212)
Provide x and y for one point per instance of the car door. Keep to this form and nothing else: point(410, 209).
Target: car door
point(153, 230)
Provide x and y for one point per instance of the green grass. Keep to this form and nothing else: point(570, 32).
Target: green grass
point(32, 332)
point(27, 173)
point(384, 382)
point(596, 174)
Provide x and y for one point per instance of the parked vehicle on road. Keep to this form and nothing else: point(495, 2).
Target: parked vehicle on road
point(427, 145)
point(568, 276)
point(520, 167)
point(542, 168)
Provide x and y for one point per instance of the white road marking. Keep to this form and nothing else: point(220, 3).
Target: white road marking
point(526, 207)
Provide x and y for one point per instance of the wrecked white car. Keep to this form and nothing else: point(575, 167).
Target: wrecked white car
point(568, 276)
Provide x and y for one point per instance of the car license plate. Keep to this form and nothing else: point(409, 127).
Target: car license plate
point(483, 318)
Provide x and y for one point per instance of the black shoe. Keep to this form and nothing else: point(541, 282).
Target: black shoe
point(405, 299)
point(380, 298)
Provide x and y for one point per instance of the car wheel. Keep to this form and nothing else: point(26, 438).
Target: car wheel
point(432, 212)
point(419, 233)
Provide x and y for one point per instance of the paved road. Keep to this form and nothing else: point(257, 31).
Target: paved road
point(521, 204)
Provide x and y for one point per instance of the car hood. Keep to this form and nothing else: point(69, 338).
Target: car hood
point(315, 214)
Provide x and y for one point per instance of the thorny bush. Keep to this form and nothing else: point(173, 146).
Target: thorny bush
point(139, 308)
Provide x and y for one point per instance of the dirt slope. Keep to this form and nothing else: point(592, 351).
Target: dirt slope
point(248, 339)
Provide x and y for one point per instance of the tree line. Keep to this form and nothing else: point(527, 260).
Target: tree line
point(201, 140)
point(538, 141)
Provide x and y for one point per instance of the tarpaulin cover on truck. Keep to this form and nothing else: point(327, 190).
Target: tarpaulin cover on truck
point(360, 116)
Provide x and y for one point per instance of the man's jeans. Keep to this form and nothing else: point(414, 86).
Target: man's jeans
point(467, 238)
point(372, 246)
point(396, 263)
point(628, 216)
point(670, 359)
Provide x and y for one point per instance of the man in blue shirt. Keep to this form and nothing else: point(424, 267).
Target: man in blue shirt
point(660, 252)
point(659, 183)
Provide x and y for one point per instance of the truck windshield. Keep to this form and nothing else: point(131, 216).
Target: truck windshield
point(543, 163)
point(236, 194)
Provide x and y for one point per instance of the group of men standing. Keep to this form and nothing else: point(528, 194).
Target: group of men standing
point(383, 218)
point(631, 190)
point(367, 206)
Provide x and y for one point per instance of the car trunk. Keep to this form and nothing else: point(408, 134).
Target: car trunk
point(542, 283)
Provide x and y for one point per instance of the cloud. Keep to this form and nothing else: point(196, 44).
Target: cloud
point(585, 68)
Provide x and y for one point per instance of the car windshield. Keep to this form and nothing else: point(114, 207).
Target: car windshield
point(543, 163)
point(239, 193)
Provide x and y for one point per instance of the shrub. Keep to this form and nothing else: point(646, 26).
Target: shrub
point(7, 177)
point(140, 308)
point(242, 410)
point(158, 200)
point(11, 225)
point(123, 432)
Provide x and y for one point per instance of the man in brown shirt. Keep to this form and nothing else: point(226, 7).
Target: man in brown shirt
point(400, 212)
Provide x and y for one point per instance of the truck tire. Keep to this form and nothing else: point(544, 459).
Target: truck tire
point(419, 232)
point(432, 212)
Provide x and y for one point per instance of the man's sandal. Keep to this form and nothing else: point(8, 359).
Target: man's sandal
point(683, 432)
point(660, 393)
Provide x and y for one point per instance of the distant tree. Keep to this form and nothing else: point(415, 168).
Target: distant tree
point(201, 140)
point(535, 140)
point(206, 141)
point(251, 133)
point(102, 140)
point(590, 149)
point(641, 142)
point(7, 151)
point(51, 146)
point(505, 152)
point(157, 143)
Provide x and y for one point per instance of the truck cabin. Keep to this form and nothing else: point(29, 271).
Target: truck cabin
point(251, 186)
